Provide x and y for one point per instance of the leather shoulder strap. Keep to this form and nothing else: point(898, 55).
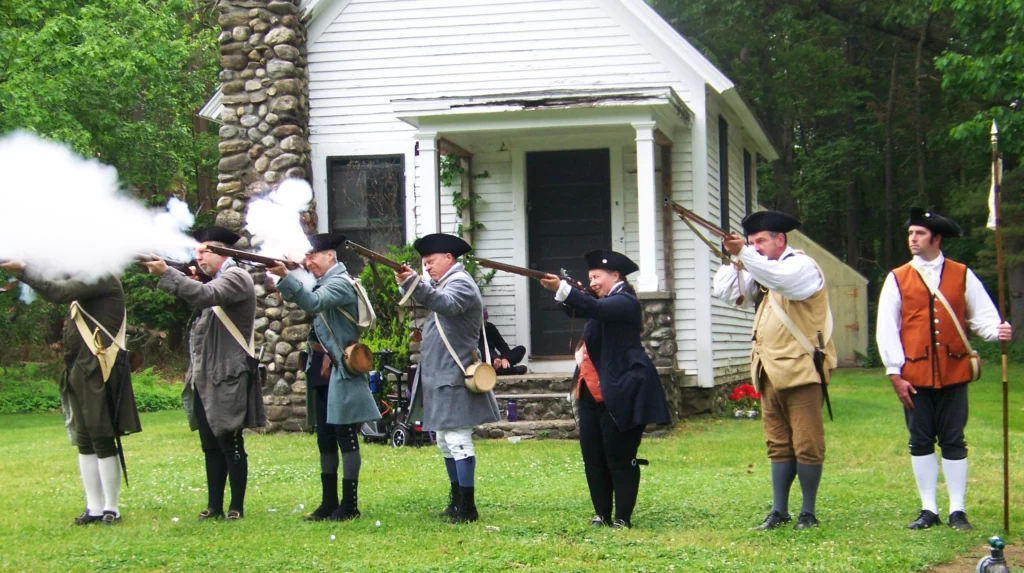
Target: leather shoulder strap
point(235, 333)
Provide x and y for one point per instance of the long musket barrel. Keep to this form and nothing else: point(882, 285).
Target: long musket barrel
point(251, 257)
point(685, 213)
point(373, 256)
point(530, 273)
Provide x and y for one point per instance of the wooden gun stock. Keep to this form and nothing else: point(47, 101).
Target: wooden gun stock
point(530, 273)
point(250, 257)
point(373, 256)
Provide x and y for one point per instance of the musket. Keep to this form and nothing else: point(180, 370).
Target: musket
point(819, 365)
point(373, 256)
point(530, 273)
point(691, 219)
point(250, 257)
point(190, 269)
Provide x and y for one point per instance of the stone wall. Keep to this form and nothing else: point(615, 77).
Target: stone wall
point(264, 139)
point(659, 337)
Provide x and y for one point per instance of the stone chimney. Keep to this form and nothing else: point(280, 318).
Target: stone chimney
point(264, 139)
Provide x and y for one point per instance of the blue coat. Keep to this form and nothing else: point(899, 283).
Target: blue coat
point(349, 400)
point(630, 386)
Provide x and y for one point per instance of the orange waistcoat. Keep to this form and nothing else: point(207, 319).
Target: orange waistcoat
point(935, 354)
point(588, 374)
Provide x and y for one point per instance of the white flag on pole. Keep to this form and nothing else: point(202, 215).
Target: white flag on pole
point(997, 175)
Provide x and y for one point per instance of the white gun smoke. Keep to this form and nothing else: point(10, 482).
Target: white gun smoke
point(63, 215)
point(275, 222)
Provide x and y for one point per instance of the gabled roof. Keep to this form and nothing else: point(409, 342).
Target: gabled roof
point(641, 14)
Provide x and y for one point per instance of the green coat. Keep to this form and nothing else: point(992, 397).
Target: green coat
point(103, 300)
point(349, 400)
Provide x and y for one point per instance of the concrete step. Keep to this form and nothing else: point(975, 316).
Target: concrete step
point(547, 383)
point(526, 430)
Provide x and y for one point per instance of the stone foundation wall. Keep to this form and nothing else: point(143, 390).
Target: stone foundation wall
point(659, 336)
point(264, 139)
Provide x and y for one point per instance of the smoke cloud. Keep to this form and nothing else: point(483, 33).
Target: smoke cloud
point(63, 215)
point(275, 220)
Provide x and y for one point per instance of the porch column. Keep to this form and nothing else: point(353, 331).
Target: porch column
point(429, 212)
point(647, 206)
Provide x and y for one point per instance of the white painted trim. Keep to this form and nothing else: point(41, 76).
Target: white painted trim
point(618, 184)
point(647, 210)
point(430, 192)
point(702, 255)
point(520, 238)
point(323, 14)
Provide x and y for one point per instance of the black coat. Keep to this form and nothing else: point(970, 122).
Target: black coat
point(630, 386)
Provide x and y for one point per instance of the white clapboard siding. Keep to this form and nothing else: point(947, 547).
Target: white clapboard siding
point(376, 51)
point(684, 249)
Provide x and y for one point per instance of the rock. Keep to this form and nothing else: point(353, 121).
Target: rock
point(234, 162)
point(665, 320)
point(663, 333)
point(293, 143)
point(655, 307)
point(270, 141)
point(235, 99)
point(285, 131)
point(288, 20)
point(286, 52)
point(667, 349)
point(295, 333)
point(295, 173)
point(282, 162)
point(281, 7)
point(262, 112)
point(299, 387)
point(279, 35)
point(224, 37)
point(233, 146)
point(230, 219)
point(288, 86)
point(257, 187)
point(272, 176)
point(232, 87)
point(261, 164)
point(274, 313)
point(258, 97)
point(271, 336)
point(291, 426)
point(285, 103)
point(233, 62)
point(282, 348)
point(232, 19)
point(247, 73)
point(282, 388)
point(275, 326)
point(232, 48)
point(227, 75)
point(227, 131)
point(252, 85)
point(260, 26)
point(224, 202)
point(260, 324)
point(264, 127)
point(272, 118)
point(238, 205)
point(241, 33)
point(255, 135)
point(292, 362)
point(289, 377)
point(278, 68)
point(229, 187)
point(272, 301)
point(278, 413)
point(249, 120)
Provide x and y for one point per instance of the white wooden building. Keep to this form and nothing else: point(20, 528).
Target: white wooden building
point(576, 117)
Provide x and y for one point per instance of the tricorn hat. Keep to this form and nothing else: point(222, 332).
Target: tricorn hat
point(609, 260)
point(771, 221)
point(326, 242)
point(934, 222)
point(441, 243)
point(216, 235)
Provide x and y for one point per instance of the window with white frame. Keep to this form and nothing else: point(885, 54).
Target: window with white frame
point(366, 203)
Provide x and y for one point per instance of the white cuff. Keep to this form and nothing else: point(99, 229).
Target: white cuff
point(894, 370)
point(563, 291)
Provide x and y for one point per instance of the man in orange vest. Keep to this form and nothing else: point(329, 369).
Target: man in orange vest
point(925, 308)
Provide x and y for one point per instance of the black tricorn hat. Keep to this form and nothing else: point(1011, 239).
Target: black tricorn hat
point(771, 221)
point(326, 242)
point(935, 223)
point(441, 243)
point(609, 260)
point(216, 235)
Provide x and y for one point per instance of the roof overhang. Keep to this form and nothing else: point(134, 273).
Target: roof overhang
point(547, 108)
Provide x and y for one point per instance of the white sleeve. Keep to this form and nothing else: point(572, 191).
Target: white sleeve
point(981, 315)
point(887, 329)
point(795, 278)
point(730, 284)
point(563, 291)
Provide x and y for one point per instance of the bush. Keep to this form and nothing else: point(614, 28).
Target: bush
point(392, 331)
point(34, 388)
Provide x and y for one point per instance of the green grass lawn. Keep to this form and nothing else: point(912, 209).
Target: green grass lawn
point(707, 485)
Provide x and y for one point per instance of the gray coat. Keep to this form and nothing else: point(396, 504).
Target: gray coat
point(218, 365)
point(456, 303)
point(349, 400)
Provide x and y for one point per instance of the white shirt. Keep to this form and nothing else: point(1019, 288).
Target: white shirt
point(794, 277)
point(980, 314)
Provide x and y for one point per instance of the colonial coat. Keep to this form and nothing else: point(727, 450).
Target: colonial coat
point(630, 386)
point(455, 301)
point(349, 400)
point(219, 367)
point(82, 376)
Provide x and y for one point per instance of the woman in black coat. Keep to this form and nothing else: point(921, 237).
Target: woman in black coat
point(616, 384)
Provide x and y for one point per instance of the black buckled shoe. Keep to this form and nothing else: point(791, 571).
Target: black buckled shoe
point(209, 514)
point(598, 521)
point(110, 518)
point(234, 515)
point(958, 520)
point(86, 519)
point(321, 513)
point(806, 521)
point(773, 520)
point(924, 520)
point(622, 524)
point(465, 507)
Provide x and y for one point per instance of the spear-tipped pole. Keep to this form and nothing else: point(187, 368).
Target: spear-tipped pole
point(1002, 316)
